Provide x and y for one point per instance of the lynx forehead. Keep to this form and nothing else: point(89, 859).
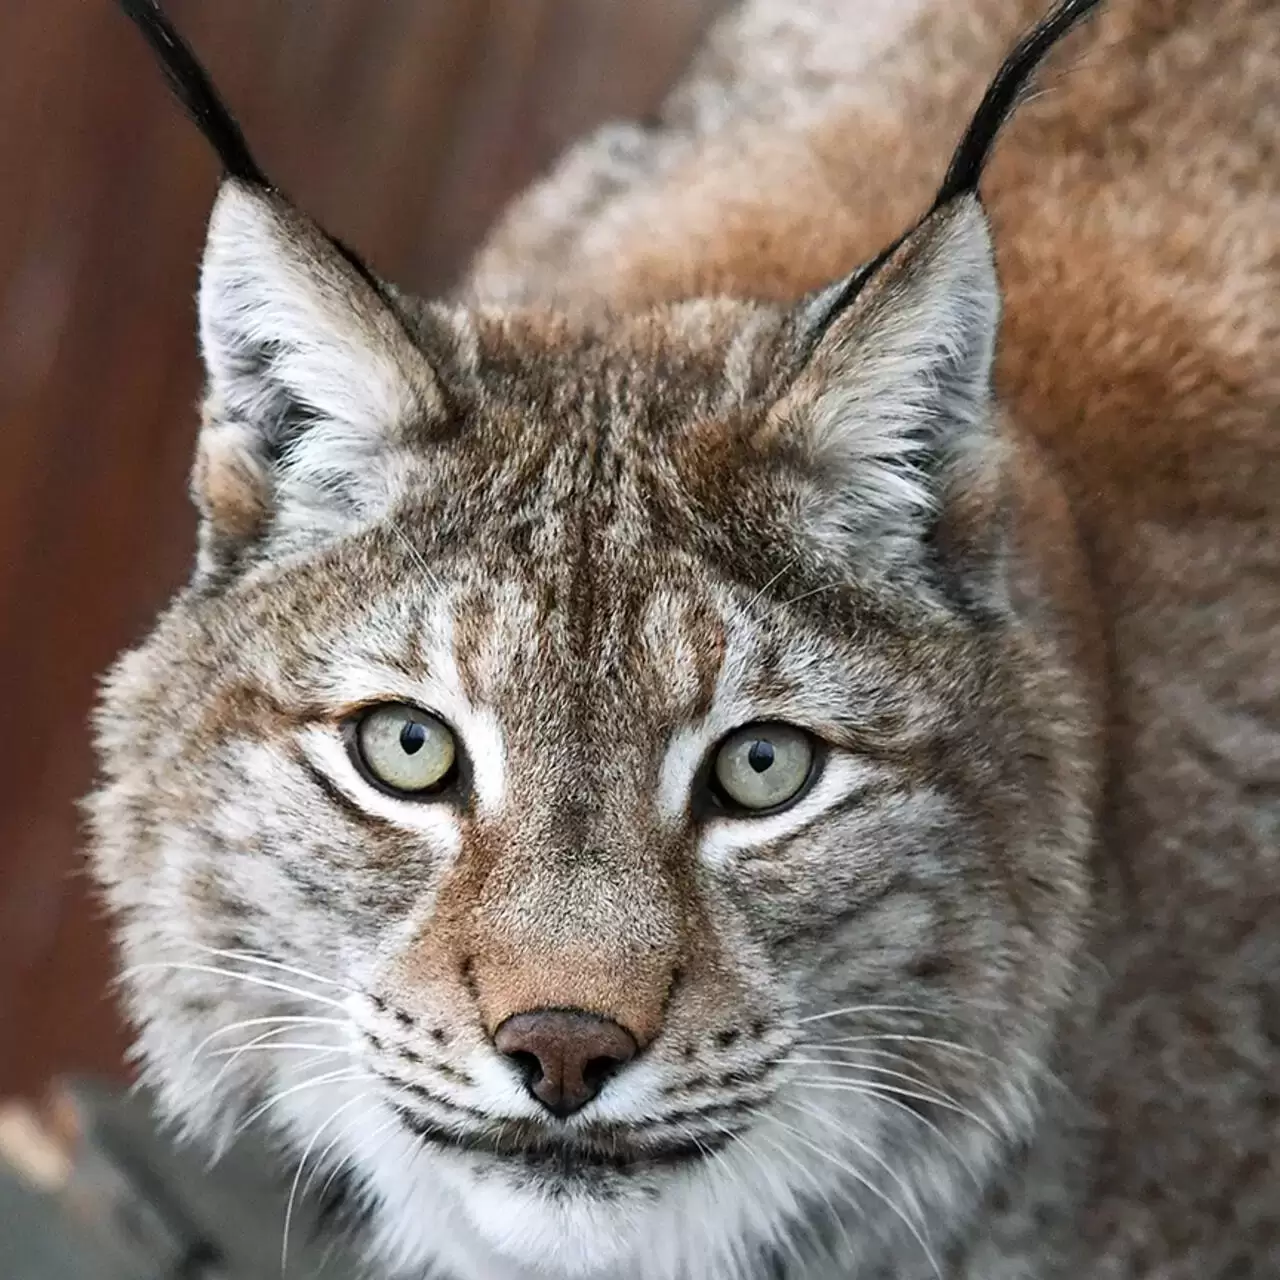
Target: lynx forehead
point(659, 771)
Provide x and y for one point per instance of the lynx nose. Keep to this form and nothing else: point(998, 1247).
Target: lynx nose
point(564, 1055)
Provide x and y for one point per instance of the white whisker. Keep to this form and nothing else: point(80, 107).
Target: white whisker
point(770, 1180)
point(324, 1049)
point(258, 1043)
point(841, 1055)
point(907, 1038)
point(786, 568)
point(847, 1084)
point(850, 1010)
point(820, 1187)
point(861, 1071)
point(247, 978)
point(866, 1182)
point(320, 1160)
point(910, 1077)
point(804, 595)
point(297, 1177)
point(871, 1154)
point(295, 1019)
point(414, 554)
point(250, 957)
point(236, 1050)
point(890, 1101)
point(393, 1125)
point(346, 1075)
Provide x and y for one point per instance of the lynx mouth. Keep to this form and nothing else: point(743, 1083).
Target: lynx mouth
point(583, 1151)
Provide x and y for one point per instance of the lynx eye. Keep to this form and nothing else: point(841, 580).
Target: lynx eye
point(763, 766)
point(405, 750)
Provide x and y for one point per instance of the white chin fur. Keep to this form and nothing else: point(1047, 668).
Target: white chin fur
point(465, 1216)
point(437, 1208)
point(573, 1235)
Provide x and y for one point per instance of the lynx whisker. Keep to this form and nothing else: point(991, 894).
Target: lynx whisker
point(759, 595)
point(856, 1084)
point(260, 1043)
point(387, 1127)
point(849, 1136)
point(233, 1052)
point(770, 1178)
point(414, 554)
point(865, 1182)
point(280, 1047)
point(870, 1067)
point(822, 1189)
point(910, 1038)
point(841, 1053)
point(804, 595)
point(250, 957)
point(321, 1161)
point(889, 1100)
point(270, 984)
point(297, 1177)
point(345, 1075)
point(244, 1024)
point(849, 1011)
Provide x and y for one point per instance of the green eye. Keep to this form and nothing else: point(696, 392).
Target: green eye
point(763, 766)
point(404, 749)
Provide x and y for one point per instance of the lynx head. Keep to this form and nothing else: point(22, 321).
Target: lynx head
point(618, 788)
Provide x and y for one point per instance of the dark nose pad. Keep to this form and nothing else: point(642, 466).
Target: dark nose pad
point(564, 1055)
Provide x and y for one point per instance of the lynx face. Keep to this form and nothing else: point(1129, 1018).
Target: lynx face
point(617, 791)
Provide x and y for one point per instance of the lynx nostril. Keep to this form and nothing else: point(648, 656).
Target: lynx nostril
point(527, 1065)
point(598, 1070)
point(564, 1056)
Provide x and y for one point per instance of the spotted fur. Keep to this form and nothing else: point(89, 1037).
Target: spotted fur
point(997, 997)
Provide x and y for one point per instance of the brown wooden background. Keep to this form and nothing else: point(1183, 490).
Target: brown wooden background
point(402, 125)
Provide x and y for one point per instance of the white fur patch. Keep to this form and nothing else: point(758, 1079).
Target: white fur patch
point(910, 375)
point(286, 322)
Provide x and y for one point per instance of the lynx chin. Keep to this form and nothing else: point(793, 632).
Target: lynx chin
point(744, 744)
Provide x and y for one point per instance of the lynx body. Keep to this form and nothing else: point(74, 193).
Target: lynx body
point(981, 540)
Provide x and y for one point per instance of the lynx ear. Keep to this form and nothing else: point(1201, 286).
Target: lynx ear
point(893, 407)
point(312, 377)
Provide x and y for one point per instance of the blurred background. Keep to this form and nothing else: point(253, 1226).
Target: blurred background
point(402, 125)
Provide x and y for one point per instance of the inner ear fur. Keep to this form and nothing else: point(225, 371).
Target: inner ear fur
point(312, 374)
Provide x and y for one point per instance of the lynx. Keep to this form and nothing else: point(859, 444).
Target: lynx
point(745, 743)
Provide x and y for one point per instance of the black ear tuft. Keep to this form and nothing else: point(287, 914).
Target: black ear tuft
point(970, 157)
point(1002, 96)
point(193, 88)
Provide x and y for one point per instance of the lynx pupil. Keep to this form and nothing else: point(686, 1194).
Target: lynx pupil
point(762, 767)
point(413, 737)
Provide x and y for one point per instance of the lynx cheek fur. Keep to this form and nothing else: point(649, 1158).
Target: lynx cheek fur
point(989, 985)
